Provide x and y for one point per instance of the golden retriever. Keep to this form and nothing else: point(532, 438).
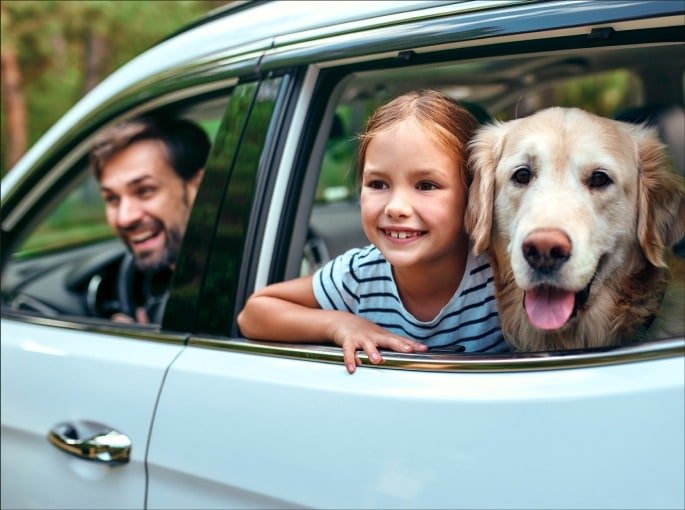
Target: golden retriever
point(578, 213)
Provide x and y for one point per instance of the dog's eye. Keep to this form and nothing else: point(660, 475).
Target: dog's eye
point(599, 179)
point(522, 175)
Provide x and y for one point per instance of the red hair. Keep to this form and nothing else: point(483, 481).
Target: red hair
point(444, 119)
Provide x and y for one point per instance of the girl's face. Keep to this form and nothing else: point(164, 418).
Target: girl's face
point(412, 199)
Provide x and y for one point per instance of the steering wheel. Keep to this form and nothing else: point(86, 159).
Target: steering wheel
point(124, 288)
point(109, 292)
point(315, 252)
point(128, 279)
point(124, 285)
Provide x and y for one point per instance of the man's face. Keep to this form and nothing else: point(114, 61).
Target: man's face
point(147, 203)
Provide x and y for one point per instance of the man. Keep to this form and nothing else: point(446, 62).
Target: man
point(149, 170)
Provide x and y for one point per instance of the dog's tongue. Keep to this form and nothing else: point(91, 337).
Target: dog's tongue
point(549, 307)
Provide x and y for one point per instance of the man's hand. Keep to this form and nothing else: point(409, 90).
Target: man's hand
point(354, 333)
point(141, 317)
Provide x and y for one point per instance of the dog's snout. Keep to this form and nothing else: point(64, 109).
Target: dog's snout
point(547, 249)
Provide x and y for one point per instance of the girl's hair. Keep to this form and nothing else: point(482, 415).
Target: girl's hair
point(444, 119)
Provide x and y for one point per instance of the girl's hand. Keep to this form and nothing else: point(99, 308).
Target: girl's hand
point(354, 333)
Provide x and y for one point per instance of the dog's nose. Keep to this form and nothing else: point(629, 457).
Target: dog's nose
point(547, 248)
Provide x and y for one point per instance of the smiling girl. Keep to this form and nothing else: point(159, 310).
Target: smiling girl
point(417, 286)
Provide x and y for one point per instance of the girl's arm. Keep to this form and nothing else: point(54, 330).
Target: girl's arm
point(289, 312)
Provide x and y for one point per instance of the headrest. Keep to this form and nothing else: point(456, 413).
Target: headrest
point(670, 123)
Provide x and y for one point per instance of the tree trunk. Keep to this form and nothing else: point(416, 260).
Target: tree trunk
point(15, 106)
point(96, 54)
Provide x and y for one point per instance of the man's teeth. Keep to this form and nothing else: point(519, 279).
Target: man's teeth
point(402, 235)
point(141, 237)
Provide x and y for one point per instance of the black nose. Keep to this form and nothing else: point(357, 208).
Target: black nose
point(546, 249)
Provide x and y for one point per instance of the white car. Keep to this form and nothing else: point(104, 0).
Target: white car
point(189, 414)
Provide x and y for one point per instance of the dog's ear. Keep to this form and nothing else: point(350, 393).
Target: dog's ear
point(484, 152)
point(661, 198)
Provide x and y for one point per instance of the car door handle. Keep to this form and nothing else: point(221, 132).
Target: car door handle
point(91, 441)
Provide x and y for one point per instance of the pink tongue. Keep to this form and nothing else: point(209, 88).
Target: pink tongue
point(548, 307)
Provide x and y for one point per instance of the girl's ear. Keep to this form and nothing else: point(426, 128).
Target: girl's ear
point(484, 152)
point(661, 198)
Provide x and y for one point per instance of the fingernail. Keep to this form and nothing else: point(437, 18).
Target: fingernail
point(350, 368)
point(406, 348)
point(375, 357)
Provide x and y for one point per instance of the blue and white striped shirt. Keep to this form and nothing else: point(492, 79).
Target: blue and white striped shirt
point(360, 281)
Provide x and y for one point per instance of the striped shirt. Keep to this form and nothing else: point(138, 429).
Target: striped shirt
point(360, 281)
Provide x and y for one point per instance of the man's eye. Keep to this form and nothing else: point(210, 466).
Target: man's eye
point(110, 199)
point(522, 176)
point(145, 191)
point(426, 186)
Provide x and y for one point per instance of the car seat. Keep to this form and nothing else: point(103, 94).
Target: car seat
point(669, 121)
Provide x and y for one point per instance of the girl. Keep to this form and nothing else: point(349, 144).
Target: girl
point(416, 286)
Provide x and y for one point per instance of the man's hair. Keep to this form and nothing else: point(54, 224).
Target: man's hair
point(450, 124)
point(187, 145)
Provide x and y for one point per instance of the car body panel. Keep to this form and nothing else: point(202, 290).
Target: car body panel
point(52, 375)
point(275, 432)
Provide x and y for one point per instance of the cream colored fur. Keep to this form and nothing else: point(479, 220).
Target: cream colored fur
point(621, 234)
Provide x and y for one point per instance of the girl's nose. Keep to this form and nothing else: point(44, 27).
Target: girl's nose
point(399, 205)
point(129, 213)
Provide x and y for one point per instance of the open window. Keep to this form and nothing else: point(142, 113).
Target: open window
point(610, 82)
point(67, 257)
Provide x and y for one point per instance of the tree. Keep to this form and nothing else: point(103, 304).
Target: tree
point(53, 52)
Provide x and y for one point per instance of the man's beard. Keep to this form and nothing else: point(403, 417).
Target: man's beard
point(173, 236)
point(164, 258)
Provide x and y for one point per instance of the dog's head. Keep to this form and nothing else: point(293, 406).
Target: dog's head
point(566, 196)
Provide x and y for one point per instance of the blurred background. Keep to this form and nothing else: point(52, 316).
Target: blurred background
point(54, 52)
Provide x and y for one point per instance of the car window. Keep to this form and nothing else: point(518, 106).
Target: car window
point(230, 181)
point(76, 220)
point(223, 270)
point(66, 263)
point(334, 223)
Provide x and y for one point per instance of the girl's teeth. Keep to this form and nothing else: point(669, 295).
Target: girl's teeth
point(402, 235)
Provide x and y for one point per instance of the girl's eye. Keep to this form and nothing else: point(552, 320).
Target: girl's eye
point(599, 179)
point(522, 176)
point(426, 186)
point(377, 185)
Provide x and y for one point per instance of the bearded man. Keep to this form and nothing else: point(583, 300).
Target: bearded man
point(149, 170)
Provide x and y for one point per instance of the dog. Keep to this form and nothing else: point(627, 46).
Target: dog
point(578, 214)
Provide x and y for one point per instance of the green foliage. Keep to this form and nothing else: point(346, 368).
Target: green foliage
point(52, 38)
point(603, 94)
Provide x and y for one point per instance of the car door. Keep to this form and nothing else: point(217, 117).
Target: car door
point(71, 384)
point(247, 424)
point(78, 392)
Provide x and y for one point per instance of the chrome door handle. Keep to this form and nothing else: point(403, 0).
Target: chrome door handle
point(91, 441)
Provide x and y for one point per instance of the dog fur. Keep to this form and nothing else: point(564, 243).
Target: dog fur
point(614, 236)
